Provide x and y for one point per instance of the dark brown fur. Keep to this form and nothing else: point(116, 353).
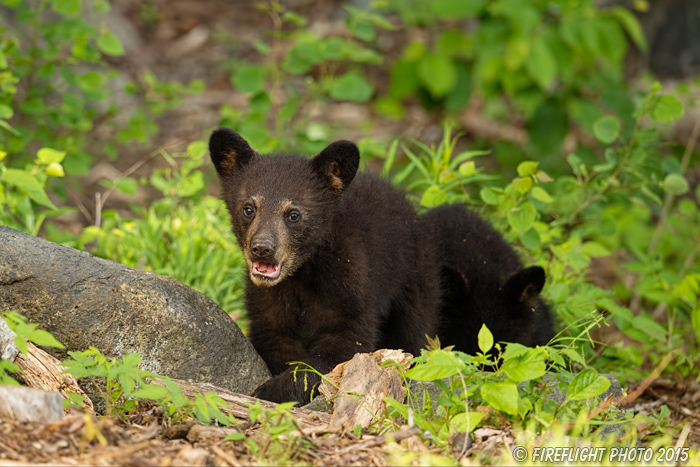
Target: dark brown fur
point(484, 282)
point(358, 268)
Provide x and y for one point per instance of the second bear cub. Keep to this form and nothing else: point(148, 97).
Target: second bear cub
point(338, 261)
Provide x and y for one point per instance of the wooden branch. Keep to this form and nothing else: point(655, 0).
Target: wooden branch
point(362, 386)
point(39, 369)
point(42, 371)
point(309, 419)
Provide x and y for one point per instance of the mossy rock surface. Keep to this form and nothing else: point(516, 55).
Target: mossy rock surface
point(88, 301)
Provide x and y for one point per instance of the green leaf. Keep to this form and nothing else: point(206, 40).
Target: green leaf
point(90, 81)
point(235, 436)
point(351, 87)
point(522, 218)
point(541, 64)
point(586, 385)
point(501, 396)
point(30, 185)
point(438, 365)
point(151, 391)
point(467, 169)
point(249, 78)
point(109, 44)
point(631, 25)
point(55, 169)
point(132, 359)
point(466, 421)
point(66, 7)
point(488, 196)
point(48, 155)
point(41, 337)
point(6, 111)
point(128, 185)
point(527, 366)
point(485, 339)
point(540, 194)
point(433, 196)
point(667, 109)
point(606, 129)
point(437, 74)
point(676, 184)
point(527, 168)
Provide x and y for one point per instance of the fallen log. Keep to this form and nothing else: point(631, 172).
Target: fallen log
point(39, 369)
point(359, 386)
point(239, 409)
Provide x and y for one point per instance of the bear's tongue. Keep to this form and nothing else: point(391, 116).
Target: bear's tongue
point(268, 270)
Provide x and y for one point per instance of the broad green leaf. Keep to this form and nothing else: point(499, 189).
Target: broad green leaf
point(437, 74)
point(90, 81)
point(128, 185)
point(527, 366)
point(249, 78)
point(66, 7)
point(48, 155)
point(541, 64)
point(668, 109)
point(501, 396)
point(587, 384)
point(606, 129)
point(466, 421)
point(109, 44)
point(523, 185)
point(438, 365)
point(30, 185)
point(55, 169)
point(531, 239)
point(540, 194)
point(235, 436)
point(151, 391)
point(6, 111)
point(676, 184)
point(132, 359)
point(351, 87)
point(522, 218)
point(485, 339)
point(41, 337)
point(433, 196)
point(631, 25)
point(527, 168)
point(488, 196)
point(594, 250)
point(468, 168)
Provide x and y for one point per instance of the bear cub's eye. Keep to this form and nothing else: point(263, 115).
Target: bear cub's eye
point(248, 211)
point(294, 216)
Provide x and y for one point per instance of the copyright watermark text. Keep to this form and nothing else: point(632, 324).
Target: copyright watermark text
point(557, 455)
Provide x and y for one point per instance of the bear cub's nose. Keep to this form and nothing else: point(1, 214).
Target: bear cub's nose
point(263, 248)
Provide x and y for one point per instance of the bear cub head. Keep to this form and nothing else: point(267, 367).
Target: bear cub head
point(281, 206)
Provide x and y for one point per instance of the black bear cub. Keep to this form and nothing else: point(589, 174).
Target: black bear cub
point(484, 282)
point(338, 261)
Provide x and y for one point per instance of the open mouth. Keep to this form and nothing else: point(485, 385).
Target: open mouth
point(267, 270)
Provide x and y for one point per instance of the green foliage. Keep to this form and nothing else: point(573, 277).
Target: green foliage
point(185, 235)
point(511, 383)
point(25, 332)
point(54, 55)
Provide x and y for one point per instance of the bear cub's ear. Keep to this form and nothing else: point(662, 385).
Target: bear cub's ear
point(337, 164)
point(526, 285)
point(229, 151)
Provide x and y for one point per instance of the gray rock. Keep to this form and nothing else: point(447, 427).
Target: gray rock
point(30, 405)
point(88, 301)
